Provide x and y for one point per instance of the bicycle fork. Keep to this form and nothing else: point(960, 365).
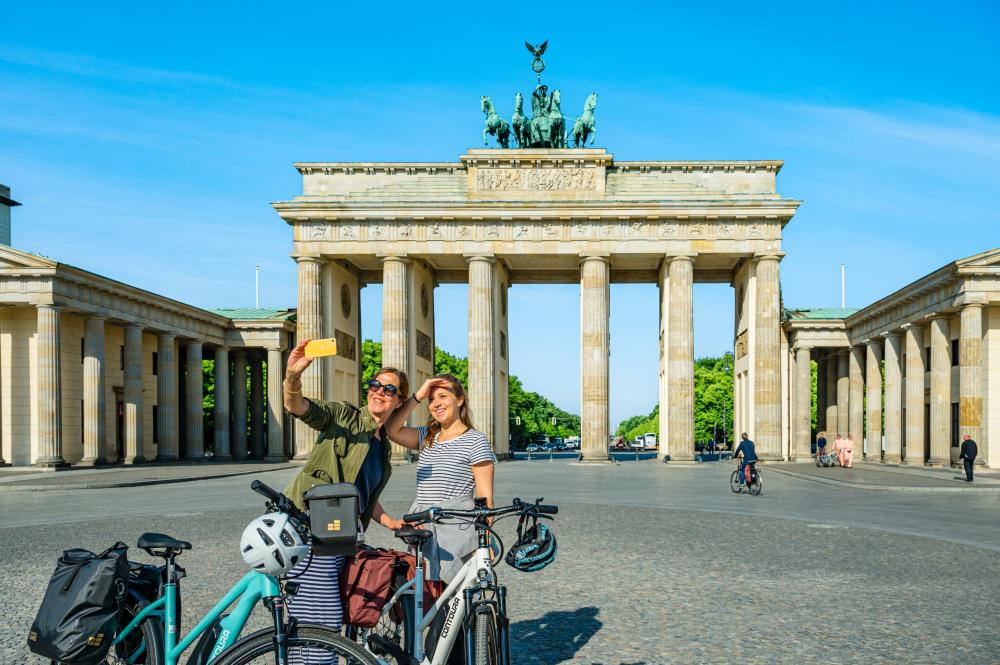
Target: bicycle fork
point(277, 607)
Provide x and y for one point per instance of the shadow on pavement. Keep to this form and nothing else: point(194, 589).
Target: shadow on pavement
point(556, 637)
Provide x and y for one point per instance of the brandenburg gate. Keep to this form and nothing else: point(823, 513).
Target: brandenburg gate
point(499, 217)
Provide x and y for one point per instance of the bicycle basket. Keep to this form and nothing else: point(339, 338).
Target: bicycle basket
point(335, 517)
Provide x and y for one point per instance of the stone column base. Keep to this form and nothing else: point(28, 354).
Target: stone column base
point(52, 464)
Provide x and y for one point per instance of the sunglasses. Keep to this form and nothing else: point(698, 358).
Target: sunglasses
point(389, 389)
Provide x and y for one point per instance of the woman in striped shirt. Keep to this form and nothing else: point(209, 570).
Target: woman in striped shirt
point(455, 464)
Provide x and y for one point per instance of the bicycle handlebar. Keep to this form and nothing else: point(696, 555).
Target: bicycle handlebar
point(518, 506)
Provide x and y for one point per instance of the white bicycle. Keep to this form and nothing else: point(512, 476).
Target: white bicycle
point(474, 604)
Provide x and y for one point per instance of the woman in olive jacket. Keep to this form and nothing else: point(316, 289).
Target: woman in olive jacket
point(351, 447)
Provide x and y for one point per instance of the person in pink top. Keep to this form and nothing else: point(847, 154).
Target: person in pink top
point(848, 445)
point(838, 450)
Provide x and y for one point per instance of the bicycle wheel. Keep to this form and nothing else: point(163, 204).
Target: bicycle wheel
point(755, 485)
point(307, 645)
point(734, 482)
point(394, 626)
point(486, 640)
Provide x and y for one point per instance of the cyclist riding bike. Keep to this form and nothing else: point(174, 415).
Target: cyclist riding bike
point(749, 454)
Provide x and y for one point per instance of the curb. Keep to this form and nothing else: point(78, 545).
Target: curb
point(136, 483)
point(884, 488)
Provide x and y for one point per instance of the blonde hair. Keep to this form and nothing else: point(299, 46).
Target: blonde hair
point(464, 413)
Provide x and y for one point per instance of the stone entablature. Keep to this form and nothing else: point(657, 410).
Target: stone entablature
point(975, 279)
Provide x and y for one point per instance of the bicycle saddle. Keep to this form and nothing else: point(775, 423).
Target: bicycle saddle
point(149, 540)
point(412, 535)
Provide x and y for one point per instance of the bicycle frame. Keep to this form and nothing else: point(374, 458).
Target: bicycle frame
point(467, 579)
point(250, 590)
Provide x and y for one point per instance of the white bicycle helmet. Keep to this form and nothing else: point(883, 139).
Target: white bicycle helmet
point(270, 544)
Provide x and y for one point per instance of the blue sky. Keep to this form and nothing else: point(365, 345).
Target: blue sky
point(146, 142)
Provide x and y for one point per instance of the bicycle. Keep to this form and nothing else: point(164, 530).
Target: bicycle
point(754, 487)
point(152, 636)
point(474, 599)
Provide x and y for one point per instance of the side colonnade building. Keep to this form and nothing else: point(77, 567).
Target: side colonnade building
point(94, 371)
point(909, 375)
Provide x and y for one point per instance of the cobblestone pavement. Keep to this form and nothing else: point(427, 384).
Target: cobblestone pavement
point(657, 564)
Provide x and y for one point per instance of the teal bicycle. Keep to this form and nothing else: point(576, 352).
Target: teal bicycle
point(152, 636)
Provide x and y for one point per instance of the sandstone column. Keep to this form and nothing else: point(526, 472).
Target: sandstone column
point(396, 326)
point(915, 368)
point(970, 358)
point(133, 395)
point(832, 406)
point(767, 358)
point(940, 452)
point(482, 343)
point(256, 407)
point(238, 438)
point(166, 398)
point(680, 358)
point(843, 392)
point(48, 390)
point(310, 326)
point(94, 418)
point(220, 414)
point(856, 401)
point(275, 407)
point(873, 380)
point(595, 279)
point(802, 427)
point(194, 411)
point(893, 399)
point(820, 395)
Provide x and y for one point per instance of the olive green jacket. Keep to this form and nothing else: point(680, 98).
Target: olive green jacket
point(345, 433)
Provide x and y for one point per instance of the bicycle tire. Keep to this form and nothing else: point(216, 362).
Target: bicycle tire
point(486, 640)
point(322, 643)
point(734, 482)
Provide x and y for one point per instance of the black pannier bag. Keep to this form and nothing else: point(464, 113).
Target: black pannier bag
point(77, 620)
point(335, 518)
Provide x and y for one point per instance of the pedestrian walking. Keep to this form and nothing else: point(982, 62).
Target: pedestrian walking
point(849, 451)
point(968, 456)
point(838, 449)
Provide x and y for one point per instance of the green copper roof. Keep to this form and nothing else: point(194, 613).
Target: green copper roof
point(820, 313)
point(254, 313)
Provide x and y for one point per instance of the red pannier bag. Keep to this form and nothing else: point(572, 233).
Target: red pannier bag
point(366, 584)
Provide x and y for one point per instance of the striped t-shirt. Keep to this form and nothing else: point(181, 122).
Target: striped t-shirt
point(443, 469)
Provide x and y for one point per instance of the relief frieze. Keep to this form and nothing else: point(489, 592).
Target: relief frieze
point(535, 179)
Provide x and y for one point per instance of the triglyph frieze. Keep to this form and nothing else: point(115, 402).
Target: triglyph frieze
point(535, 179)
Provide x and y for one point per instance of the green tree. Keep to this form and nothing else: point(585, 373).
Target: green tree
point(529, 413)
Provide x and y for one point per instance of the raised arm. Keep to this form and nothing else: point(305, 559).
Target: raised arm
point(395, 427)
point(295, 403)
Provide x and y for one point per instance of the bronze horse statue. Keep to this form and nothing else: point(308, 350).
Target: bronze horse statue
point(520, 123)
point(495, 125)
point(585, 126)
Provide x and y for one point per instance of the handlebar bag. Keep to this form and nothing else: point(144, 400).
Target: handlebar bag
point(335, 518)
point(78, 617)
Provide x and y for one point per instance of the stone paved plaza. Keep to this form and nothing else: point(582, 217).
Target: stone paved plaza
point(658, 563)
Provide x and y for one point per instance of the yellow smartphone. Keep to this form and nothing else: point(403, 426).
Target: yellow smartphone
point(318, 348)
